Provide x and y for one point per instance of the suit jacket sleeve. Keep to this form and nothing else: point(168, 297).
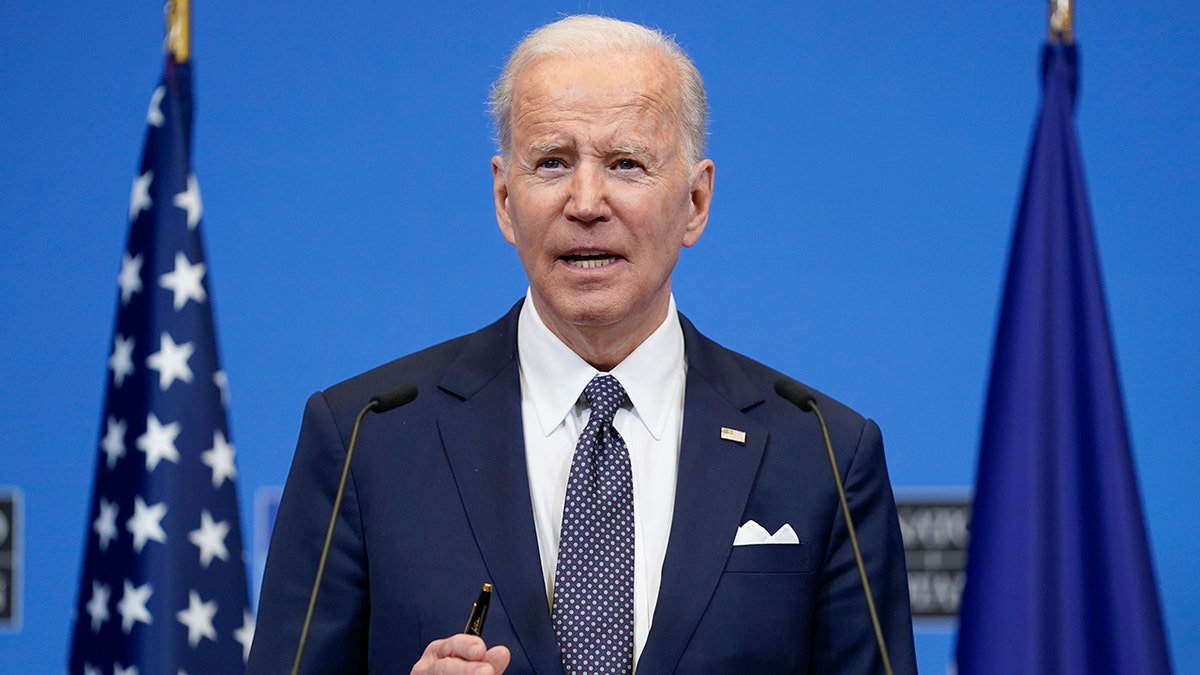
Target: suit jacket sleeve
point(843, 638)
point(337, 639)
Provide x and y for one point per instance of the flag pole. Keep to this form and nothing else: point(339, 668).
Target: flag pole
point(178, 17)
point(1062, 22)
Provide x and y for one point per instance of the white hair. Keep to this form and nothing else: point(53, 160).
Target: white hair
point(590, 35)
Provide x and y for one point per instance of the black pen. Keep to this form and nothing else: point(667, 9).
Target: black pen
point(479, 612)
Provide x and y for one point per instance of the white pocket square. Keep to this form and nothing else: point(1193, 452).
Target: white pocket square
point(752, 533)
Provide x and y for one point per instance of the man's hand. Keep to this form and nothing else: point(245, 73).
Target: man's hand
point(462, 654)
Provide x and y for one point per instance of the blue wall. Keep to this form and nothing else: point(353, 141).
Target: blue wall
point(868, 166)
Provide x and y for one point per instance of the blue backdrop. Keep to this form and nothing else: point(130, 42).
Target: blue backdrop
point(868, 167)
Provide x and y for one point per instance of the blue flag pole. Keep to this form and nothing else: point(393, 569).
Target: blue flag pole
point(1059, 576)
point(163, 586)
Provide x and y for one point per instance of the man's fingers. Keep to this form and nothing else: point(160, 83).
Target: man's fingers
point(463, 646)
point(466, 654)
point(498, 657)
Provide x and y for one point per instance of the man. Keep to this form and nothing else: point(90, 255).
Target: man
point(595, 399)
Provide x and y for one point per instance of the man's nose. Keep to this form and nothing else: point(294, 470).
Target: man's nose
point(587, 202)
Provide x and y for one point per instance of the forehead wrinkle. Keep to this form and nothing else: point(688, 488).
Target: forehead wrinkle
point(562, 137)
point(635, 120)
point(565, 117)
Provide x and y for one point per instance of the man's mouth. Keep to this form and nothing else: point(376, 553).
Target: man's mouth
point(589, 259)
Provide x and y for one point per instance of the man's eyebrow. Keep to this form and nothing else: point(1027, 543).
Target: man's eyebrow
point(635, 149)
point(630, 149)
point(546, 148)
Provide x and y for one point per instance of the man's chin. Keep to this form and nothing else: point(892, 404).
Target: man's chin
point(598, 313)
point(590, 317)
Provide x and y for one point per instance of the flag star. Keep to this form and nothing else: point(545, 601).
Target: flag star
point(190, 201)
point(89, 669)
point(133, 605)
point(113, 442)
point(105, 525)
point(185, 282)
point(210, 539)
point(245, 634)
point(171, 361)
point(118, 669)
point(146, 524)
point(121, 360)
point(154, 116)
point(222, 381)
point(139, 199)
point(198, 619)
point(220, 459)
point(159, 442)
point(130, 278)
point(97, 606)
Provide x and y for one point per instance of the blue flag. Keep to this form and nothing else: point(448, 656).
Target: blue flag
point(163, 588)
point(1059, 577)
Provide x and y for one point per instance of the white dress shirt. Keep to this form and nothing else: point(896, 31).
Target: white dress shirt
point(554, 413)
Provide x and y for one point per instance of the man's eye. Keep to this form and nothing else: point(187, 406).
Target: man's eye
point(550, 163)
point(626, 164)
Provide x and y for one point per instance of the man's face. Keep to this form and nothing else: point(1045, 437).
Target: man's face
point(596, 195)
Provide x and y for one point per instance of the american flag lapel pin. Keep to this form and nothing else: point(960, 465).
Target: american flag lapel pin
point(736, 435)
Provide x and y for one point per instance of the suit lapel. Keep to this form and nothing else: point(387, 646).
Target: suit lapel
point(714, 481)
point(483, 439)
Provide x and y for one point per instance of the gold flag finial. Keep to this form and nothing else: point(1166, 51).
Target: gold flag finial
point(1062, 22)
point(178, 15)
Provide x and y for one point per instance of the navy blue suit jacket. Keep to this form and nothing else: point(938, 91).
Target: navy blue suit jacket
point(438, 503)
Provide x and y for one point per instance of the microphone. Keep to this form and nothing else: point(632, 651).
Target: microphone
point(803, 398)
point(394, 398)
point(797, 394)
point(380, 403)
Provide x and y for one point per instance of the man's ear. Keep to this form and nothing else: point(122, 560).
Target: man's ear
point(701, 199)
point(500, 195)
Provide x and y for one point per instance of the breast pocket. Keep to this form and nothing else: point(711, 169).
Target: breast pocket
point(770, 559)
point(760, 616)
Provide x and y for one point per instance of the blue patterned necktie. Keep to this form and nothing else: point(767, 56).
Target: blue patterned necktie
point(593, 582)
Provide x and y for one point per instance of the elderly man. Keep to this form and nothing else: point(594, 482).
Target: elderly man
point(639, 496)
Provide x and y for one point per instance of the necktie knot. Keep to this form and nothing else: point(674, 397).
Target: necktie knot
point(604, 394)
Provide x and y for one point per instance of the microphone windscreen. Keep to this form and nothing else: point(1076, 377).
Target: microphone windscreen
point(799, 395)
point(394, 398)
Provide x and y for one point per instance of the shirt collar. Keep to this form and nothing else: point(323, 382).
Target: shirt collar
point(553, 377)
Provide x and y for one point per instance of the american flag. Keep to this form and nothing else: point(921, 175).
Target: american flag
point(163, 588)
